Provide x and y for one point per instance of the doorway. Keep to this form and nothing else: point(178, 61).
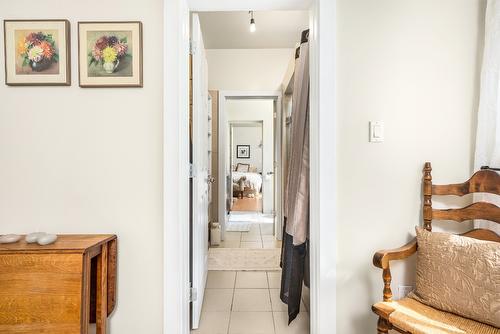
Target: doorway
point(245, 248)
point(246, 156)
point(244, 107)
point(176, 234)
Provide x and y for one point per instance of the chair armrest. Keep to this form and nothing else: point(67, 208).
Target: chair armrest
point(381, 258)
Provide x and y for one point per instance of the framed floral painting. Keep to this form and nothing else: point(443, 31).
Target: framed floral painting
point(37, 52)
point(110, 54)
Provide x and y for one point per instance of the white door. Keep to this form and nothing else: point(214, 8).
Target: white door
point(200, 160)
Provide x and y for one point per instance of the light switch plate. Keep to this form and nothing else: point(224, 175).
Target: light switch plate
point(376, 131)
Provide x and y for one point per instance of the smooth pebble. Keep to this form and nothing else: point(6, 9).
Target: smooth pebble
point(33, 237)
point(47, 239)
point(9, 238)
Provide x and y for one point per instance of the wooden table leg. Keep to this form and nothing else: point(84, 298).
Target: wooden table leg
point(112, 258)
point(86, 294)
point(102, 291)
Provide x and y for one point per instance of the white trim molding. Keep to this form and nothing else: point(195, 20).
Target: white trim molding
point(175, 162)
point(323, 233)
point(245, 5)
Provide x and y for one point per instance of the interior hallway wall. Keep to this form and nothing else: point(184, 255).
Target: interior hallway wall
point(414, 64)
point(247, 69)
point(251, 136)
point(76, 160)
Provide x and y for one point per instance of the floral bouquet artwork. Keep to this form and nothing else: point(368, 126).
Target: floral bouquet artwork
point(110, 54)
point(108, 51)
point(38, 51)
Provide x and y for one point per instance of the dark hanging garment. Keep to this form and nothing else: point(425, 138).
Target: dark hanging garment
point(295, 247)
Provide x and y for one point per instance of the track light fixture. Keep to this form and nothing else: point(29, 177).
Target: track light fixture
point(252, 22)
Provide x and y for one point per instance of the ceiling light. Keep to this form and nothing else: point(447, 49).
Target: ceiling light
point(252, 22)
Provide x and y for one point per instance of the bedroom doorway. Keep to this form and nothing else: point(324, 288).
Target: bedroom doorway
point(260, 111)
point(247, 155)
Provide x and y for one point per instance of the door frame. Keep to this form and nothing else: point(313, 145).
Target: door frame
point(323, 146)
point(222, 119)
point(236, 124)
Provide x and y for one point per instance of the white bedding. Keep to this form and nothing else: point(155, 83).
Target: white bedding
point(253, 180)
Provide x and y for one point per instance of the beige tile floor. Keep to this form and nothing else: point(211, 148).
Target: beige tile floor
point(259, 236)
point(247, 302)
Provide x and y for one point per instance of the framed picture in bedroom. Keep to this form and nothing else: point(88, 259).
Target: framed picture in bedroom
point(37, 52)
point(243, 151)
point(110, 54)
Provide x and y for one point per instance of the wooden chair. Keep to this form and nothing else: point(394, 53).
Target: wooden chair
point(484, 181)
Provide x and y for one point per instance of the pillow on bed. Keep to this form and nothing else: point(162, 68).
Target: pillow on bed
point(458, 274)
point(244, 168)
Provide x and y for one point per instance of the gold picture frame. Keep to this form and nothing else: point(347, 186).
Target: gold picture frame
point(110, 54)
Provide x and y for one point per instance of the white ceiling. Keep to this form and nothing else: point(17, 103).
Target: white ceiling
point(231, 30)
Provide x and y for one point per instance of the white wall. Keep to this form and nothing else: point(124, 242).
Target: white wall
point(78, 160)
point(247, 69)
point(252, 136)
point(258, 110)
point(415, 65)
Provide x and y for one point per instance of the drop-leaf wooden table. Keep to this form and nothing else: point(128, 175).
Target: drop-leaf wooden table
point(58, 288)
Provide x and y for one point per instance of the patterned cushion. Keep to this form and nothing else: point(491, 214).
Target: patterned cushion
point(417, 318)
point(459, 275)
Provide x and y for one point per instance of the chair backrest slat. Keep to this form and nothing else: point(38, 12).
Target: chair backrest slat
point(484, 181)
point(479, 210)
point(482, 234)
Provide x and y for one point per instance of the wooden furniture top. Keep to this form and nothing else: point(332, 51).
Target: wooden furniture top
point(66, 243)
point(58, 288)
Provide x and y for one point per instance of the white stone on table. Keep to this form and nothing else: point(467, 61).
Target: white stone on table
point(33, 237)
point(9, 238)
point(47, 239)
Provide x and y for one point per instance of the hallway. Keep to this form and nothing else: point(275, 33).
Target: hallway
point(247, 302)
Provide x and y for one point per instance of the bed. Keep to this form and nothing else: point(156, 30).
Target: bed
point(246, 180)
point(252, 181)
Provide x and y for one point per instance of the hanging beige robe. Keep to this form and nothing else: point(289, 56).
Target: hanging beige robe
point(297, 192)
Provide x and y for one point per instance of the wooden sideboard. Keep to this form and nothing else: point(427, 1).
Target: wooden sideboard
point(58, 288)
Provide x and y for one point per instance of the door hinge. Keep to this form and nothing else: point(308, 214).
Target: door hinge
point(193, 294)
point(191, 171)
point(192, 47)
point(275, 114)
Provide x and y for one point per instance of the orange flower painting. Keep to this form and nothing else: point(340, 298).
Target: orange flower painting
point(37, 52)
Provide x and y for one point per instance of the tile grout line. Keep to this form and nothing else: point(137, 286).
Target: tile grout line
point(232, 302)
point(271, 301)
